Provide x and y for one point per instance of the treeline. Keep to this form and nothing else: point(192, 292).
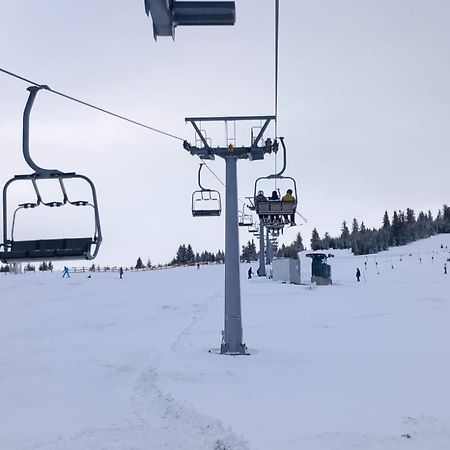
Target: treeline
point(186, 255)
point(43, 267)
point(402, 228)
point(250, 253)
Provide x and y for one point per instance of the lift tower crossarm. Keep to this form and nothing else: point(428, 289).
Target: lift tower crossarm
point(253, 151)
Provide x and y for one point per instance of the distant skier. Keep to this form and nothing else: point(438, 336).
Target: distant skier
point(121, 272)
point(445, 269)
point(250, 273)
point(198, 266)
point(66, 272)
point(358, 274)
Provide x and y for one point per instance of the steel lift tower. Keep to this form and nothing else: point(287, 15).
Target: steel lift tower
point(232, 336)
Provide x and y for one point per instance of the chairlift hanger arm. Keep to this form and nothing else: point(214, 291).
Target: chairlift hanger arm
point(280, 173)
point(26, 131)
point(199, 179)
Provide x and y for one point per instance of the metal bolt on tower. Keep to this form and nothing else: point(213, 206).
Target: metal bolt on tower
point(232, 335)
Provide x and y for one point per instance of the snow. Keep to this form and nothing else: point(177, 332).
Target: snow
point(102, 363)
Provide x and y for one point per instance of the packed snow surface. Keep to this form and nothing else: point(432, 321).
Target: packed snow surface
point(102, 363)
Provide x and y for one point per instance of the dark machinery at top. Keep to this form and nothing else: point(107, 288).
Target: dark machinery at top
point(13, 250)
point(168, 14)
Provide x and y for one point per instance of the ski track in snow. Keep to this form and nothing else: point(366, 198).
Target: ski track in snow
point(178, 344)
point(158, 423)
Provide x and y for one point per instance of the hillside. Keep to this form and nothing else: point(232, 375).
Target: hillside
point(102, 363)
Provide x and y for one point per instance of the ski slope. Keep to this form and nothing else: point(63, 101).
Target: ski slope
point(103, 363)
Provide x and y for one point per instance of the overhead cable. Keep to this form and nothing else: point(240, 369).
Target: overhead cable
point(277, 21)
point(89, 105)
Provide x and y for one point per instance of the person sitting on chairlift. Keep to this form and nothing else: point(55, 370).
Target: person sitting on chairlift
point(275, 197)
point(289, 198)
point(260, 198)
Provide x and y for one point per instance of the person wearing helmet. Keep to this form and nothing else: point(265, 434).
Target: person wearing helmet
point(258, 199)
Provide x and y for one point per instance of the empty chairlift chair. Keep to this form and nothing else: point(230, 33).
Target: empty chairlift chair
point(205, 202)
point(70, 248)
point(245, 220)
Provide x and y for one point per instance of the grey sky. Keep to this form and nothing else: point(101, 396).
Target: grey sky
point(364, 106)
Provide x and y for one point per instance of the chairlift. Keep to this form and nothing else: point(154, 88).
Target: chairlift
point(254, 228)
point(47, 249)
point(205, 202)
point(276, 212)
point(245, 220)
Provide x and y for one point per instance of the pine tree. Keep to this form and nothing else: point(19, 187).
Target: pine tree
point(395, 230)
point(326, 241)
point(190, 256)
point(386, 223)
point(139, 264)
point(297, 244)
point(345, 240)
point(220, 256)
point(181, 254)
point(315, 240)
point(29, 268)
point(410, 216)
point(355, 228)
point(249, 252)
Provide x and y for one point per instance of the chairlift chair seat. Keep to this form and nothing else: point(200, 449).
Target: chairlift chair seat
point(206, 212)
point(47, 249)
point(275, 207)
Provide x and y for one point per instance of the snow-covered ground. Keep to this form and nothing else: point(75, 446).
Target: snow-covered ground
point(102, 363)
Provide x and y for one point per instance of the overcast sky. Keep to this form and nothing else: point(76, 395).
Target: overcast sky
point(364, 106)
